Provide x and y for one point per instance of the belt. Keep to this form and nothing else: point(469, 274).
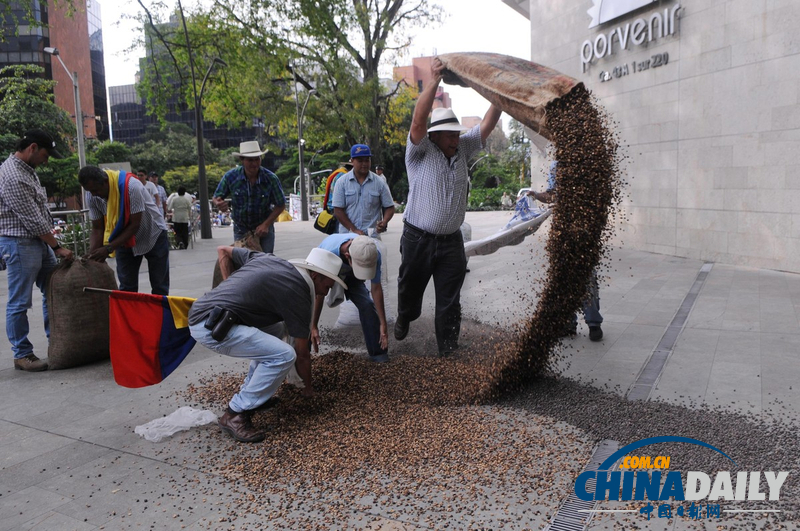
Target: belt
point(426, 234)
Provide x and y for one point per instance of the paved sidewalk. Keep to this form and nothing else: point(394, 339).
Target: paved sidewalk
point(69, 458)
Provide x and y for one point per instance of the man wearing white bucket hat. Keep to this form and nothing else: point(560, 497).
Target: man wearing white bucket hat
point(438, 186)
point(256, 197)
point(260, 291)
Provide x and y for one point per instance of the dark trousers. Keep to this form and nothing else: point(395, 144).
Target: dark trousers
point(181, 234)
point(370, 323)
point(443, 258)
point(157, 264)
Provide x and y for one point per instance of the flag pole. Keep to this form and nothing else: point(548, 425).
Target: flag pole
point(98, 290)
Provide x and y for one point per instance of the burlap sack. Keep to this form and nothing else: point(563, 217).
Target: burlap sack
point(518, 87)
point(248, 242)
point(78, 320)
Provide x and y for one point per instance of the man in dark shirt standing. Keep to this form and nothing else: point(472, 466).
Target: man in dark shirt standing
point(261, 291)
point(256, 197)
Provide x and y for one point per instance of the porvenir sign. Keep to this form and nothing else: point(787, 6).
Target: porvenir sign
point(623, 37)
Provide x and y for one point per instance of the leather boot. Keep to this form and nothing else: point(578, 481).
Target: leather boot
point(239, 426)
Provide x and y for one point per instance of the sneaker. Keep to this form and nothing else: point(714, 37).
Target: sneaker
point(380, 358)
point(240, 427)
point(400, 328)
point(595, 333)
point(30, 363)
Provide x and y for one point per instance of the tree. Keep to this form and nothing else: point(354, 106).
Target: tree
point(167, 148)
point(333, 46)
point(189, 177)
point(26, 102)
point(110, 151)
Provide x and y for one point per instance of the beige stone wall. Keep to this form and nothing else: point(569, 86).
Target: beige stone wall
point(713, 136)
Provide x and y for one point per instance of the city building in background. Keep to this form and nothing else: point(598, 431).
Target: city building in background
point(79, 40)
point(129, 118)
point(418, 74)
point(705, 97)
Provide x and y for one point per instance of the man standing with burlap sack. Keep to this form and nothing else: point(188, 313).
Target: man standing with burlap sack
point(28, 248)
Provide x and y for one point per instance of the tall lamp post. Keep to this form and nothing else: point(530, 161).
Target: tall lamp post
point(300, 143)
point(78, 114)
point(205, 211)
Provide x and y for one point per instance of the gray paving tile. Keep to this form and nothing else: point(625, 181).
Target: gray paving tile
point(21, 507)
point(55, 521)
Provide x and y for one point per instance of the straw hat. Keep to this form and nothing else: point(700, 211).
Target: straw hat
point(445, 120)
point(323, 262)
point(250, 149)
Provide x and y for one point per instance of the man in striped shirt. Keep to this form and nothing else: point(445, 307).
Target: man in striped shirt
point(438, 185)
point(28, 248)
point(145, 223)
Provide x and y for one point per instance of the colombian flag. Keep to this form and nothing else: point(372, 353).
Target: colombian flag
point(149, 336)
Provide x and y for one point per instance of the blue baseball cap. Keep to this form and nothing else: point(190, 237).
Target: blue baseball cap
point(360, 150)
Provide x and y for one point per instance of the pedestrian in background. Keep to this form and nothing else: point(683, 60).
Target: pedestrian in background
point(181, 207)
point(256, 197)
point(162, 194)
point(361, 199)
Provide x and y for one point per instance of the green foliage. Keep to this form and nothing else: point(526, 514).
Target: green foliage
point(172, 146)
point(26, 102)
point(334, 46)
point(189, 177)
point(30, 16)
point(488, 198)
point(60, 177)
point(110, 151)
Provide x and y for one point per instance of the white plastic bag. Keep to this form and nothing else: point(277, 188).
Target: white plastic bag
point(180, 420)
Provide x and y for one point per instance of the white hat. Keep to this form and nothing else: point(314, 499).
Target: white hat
point(250, 149)
point(363, 257)
point(445, 120)
point(323, 262)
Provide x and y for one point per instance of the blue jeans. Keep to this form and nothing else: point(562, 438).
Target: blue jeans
point(267, 242)
point(443, 259)
point(270, 360)
point(157, 265)
point(370, 323)
point(29, 261)
point(591, 306)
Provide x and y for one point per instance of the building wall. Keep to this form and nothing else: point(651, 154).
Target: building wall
point(418, 75)
point(71, 36)
point(712, 136)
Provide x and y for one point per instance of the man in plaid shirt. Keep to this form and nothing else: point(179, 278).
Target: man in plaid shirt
point(438, 186)
point(256, 197)
point(27, 245)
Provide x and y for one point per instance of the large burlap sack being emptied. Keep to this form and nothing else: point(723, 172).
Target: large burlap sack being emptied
point(78, 319)
point(250, 241)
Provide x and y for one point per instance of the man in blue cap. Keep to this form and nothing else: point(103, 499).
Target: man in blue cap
point(360, 195)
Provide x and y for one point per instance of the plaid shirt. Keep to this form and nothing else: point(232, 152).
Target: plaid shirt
point(23, 201)
point(251, 204)
point(438, 189)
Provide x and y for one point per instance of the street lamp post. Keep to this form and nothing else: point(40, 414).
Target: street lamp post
point(78, 114)
point(300, 143)
point(205, 211)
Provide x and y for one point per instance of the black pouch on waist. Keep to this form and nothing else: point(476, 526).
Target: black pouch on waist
point(220, 322)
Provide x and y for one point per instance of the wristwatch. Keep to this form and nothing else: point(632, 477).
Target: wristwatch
point(56, 248)
point(109, 249)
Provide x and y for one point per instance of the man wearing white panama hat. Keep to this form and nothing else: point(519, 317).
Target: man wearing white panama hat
point(256, 197)
point(238, 318)
point(438, 185)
